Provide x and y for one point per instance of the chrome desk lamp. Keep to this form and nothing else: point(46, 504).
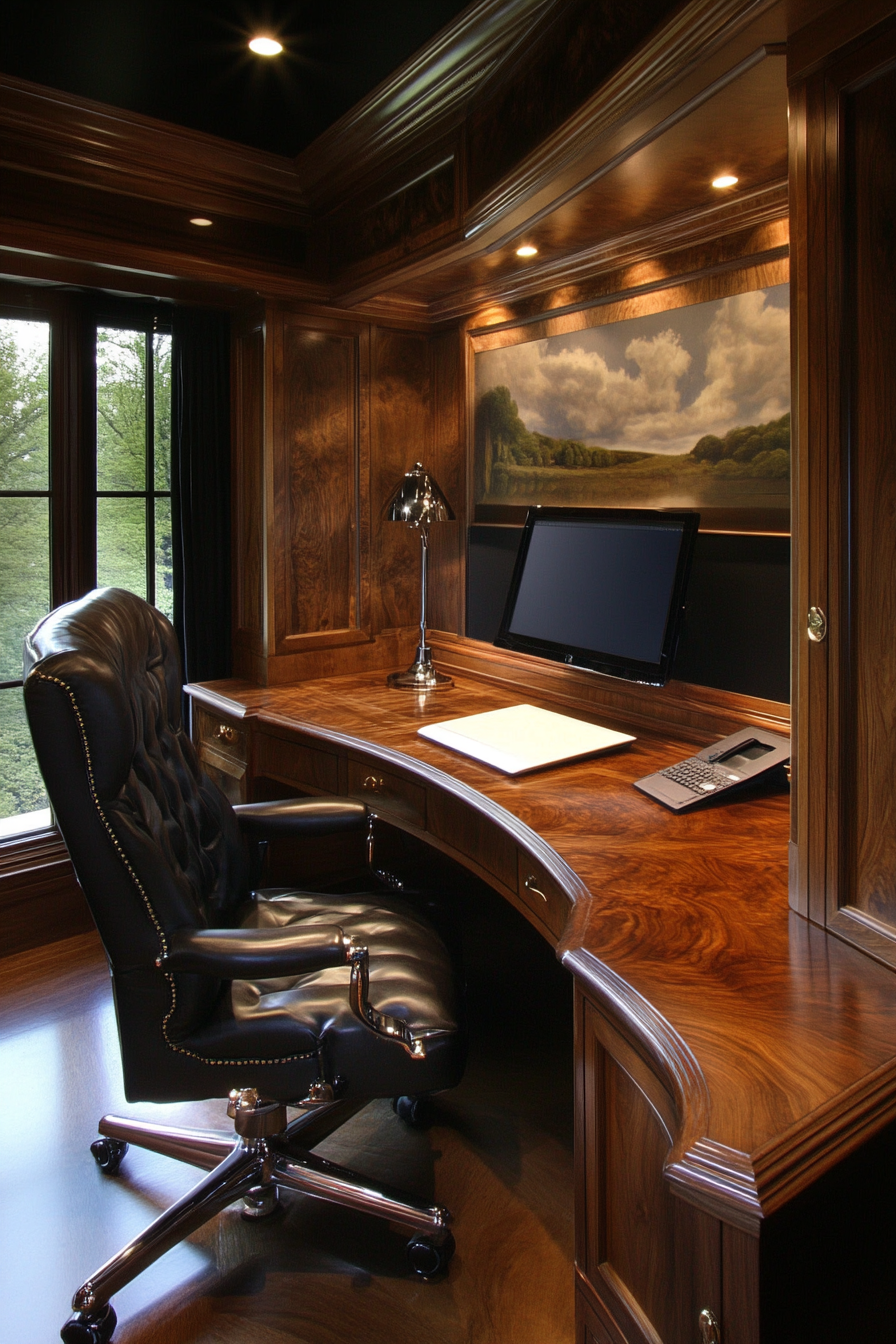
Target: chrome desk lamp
point(418, 501)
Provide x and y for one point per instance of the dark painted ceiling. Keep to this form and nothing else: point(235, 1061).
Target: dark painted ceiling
point(187, 62)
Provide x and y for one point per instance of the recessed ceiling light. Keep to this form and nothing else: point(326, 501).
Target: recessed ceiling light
point(265, 46)
point(726, 180)
point(201, 223)
point(527, 250)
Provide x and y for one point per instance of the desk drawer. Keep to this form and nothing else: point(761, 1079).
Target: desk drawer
point(224, 736)
point(223, 749)
point(306, 767)
point(387, 793)
point(471, 834)
point(541, 894)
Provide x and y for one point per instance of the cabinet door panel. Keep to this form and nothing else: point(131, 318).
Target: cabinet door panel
point(316, 496)
point(844, 198)
point(652, 1261)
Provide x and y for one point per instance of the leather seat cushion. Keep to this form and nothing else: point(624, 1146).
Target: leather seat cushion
point(411, 977)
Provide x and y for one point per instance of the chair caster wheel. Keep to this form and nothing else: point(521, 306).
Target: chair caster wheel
point(108, 1154)
point(417, 1112)
point(427, 1259)
point(94, 1327)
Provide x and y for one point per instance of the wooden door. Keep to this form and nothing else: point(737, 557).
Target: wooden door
point(843, 127)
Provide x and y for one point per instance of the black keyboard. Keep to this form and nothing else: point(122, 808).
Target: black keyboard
point(699, 776)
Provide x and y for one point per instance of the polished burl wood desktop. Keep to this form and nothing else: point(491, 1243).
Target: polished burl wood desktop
point(728, 1052)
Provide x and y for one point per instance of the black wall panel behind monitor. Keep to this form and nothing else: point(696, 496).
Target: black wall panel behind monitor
point(736, 629)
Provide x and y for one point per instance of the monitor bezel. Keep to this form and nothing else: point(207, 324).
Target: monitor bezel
point(598, 660)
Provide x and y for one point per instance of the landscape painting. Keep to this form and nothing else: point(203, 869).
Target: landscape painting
point(688, 408)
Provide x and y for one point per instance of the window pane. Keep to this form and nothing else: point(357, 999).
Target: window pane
point(164, 581)
point(120, 409)
point(24, 405)
point(21, 787)
point(161, 344)
point(121, 544)
point(24, 576)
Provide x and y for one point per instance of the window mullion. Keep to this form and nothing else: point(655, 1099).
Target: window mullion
point(149, 420)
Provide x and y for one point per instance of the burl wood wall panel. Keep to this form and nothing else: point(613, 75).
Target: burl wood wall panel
point(316, 494)
point(401, 434)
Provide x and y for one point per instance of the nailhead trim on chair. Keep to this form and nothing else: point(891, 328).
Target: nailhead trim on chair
point(163, 946)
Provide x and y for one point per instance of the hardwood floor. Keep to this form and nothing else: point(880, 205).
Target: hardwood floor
point(499, 1155)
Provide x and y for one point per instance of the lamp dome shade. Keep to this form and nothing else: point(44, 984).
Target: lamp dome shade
point(418, 500)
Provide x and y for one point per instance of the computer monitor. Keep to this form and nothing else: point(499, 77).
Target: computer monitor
point(601, 589)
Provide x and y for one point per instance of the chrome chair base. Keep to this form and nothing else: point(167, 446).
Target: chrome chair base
point(252, 1168)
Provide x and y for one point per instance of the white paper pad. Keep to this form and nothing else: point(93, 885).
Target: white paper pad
point(523, 737)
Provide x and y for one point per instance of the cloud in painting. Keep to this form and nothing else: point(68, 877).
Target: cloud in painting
point(575, 393)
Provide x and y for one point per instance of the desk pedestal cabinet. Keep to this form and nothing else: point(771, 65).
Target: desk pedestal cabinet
point(735, 1065)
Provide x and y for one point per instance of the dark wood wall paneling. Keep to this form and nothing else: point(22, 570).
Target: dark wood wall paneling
point(401, 408)
point(37, 876)
point(248, 388)
point(557, 66)
point(316, 481)
point(324, 582)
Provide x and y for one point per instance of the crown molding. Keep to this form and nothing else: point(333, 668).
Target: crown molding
point(26, 249)
point(57, 135)
point(764, 205)
point(398, 117)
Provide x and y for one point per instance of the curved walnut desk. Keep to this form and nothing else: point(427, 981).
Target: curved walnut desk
point(729, 1054)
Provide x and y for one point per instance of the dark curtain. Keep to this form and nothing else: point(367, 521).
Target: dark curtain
point(200, 489)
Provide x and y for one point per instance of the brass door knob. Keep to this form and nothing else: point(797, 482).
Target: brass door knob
point(709, 1327)
point(816, 625)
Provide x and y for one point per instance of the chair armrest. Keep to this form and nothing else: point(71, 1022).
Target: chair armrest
point(238, 954)
point(300, 816)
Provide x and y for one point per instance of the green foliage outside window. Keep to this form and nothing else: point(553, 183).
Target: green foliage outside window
point(121, 460)
point(122, 400)
point(24, 543)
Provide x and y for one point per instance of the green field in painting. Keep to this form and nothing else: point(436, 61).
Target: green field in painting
point(747, 468)
point(657, 482)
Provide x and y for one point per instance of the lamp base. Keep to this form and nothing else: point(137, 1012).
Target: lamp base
point(421, 675)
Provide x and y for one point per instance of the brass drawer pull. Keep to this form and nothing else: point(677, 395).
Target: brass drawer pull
point(225, 733)
point(709, 1327)
point(529, 884)
point(373, 784)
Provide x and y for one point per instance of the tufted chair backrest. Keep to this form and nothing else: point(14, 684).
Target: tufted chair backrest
point(153, 841)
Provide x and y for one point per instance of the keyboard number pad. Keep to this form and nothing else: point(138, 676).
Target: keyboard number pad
point(699, 776)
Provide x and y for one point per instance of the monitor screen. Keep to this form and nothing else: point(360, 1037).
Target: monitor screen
point(601, 588)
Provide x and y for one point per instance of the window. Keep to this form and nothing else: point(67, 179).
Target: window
point(85, 484)
point(133, 463)
point(25, 501)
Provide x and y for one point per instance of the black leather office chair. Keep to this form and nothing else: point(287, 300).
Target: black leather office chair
point(220, 992)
